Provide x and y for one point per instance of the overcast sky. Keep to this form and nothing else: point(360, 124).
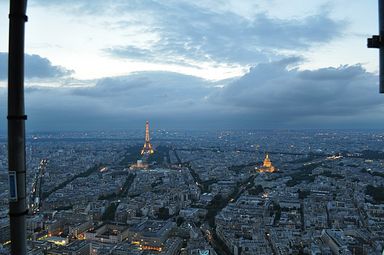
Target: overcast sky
point(112, 64)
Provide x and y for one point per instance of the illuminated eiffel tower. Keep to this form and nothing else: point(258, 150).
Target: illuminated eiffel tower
point(147, 148)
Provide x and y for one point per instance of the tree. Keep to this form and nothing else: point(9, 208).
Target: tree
point(163, 213)
point(179, 221)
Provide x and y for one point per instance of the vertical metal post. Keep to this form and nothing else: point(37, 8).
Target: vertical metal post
point(16, 127)
point(381, 28)
point(377, 41)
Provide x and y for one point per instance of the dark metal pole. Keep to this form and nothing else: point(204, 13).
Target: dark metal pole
point(16, 127)
point(381, 27)
point(377, 41)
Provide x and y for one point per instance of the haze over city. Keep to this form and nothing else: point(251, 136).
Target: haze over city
point(110, 65)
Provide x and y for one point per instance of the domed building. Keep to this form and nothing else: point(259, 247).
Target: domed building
point(267, 166)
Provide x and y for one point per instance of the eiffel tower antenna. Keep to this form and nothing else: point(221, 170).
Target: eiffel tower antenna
point(147, 148)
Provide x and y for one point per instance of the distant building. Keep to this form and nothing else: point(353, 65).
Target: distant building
point(108, 233)
point(4, 231)
point(140, 164)
point(74, 248)
point(267, 166)
point(151, 234)
point(336, 241)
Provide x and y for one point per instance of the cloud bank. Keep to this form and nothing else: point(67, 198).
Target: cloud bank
point(35, 67)
point(271, 95)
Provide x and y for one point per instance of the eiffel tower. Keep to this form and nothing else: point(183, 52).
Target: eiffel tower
point(147, 148)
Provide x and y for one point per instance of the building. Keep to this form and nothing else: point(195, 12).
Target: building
point(152, 234)
point(108, 233)
point(336, 241)
point(140, 164)
point(74, 248)
point(4, 231)
point(267, 166)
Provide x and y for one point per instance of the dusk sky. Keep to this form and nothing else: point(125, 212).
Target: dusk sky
point(106, 65)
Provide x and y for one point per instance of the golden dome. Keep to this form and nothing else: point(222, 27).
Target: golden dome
point(267, 162)
point(267, 166)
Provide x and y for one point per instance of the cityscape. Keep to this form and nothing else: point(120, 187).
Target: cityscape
point(202, 192)
point(178, 127)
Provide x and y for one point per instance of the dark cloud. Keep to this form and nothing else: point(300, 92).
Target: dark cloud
point(121, 102)
point(272, 92)
point(149, 91)
point(35, 67)
point(331, 73)
point(270, 95)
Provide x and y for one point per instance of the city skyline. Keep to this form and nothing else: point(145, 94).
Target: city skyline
point(315, 192)
point(102, 65)
point(265, 118)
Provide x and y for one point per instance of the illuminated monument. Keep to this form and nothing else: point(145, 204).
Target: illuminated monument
point(267, 166)
point(147, 148)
